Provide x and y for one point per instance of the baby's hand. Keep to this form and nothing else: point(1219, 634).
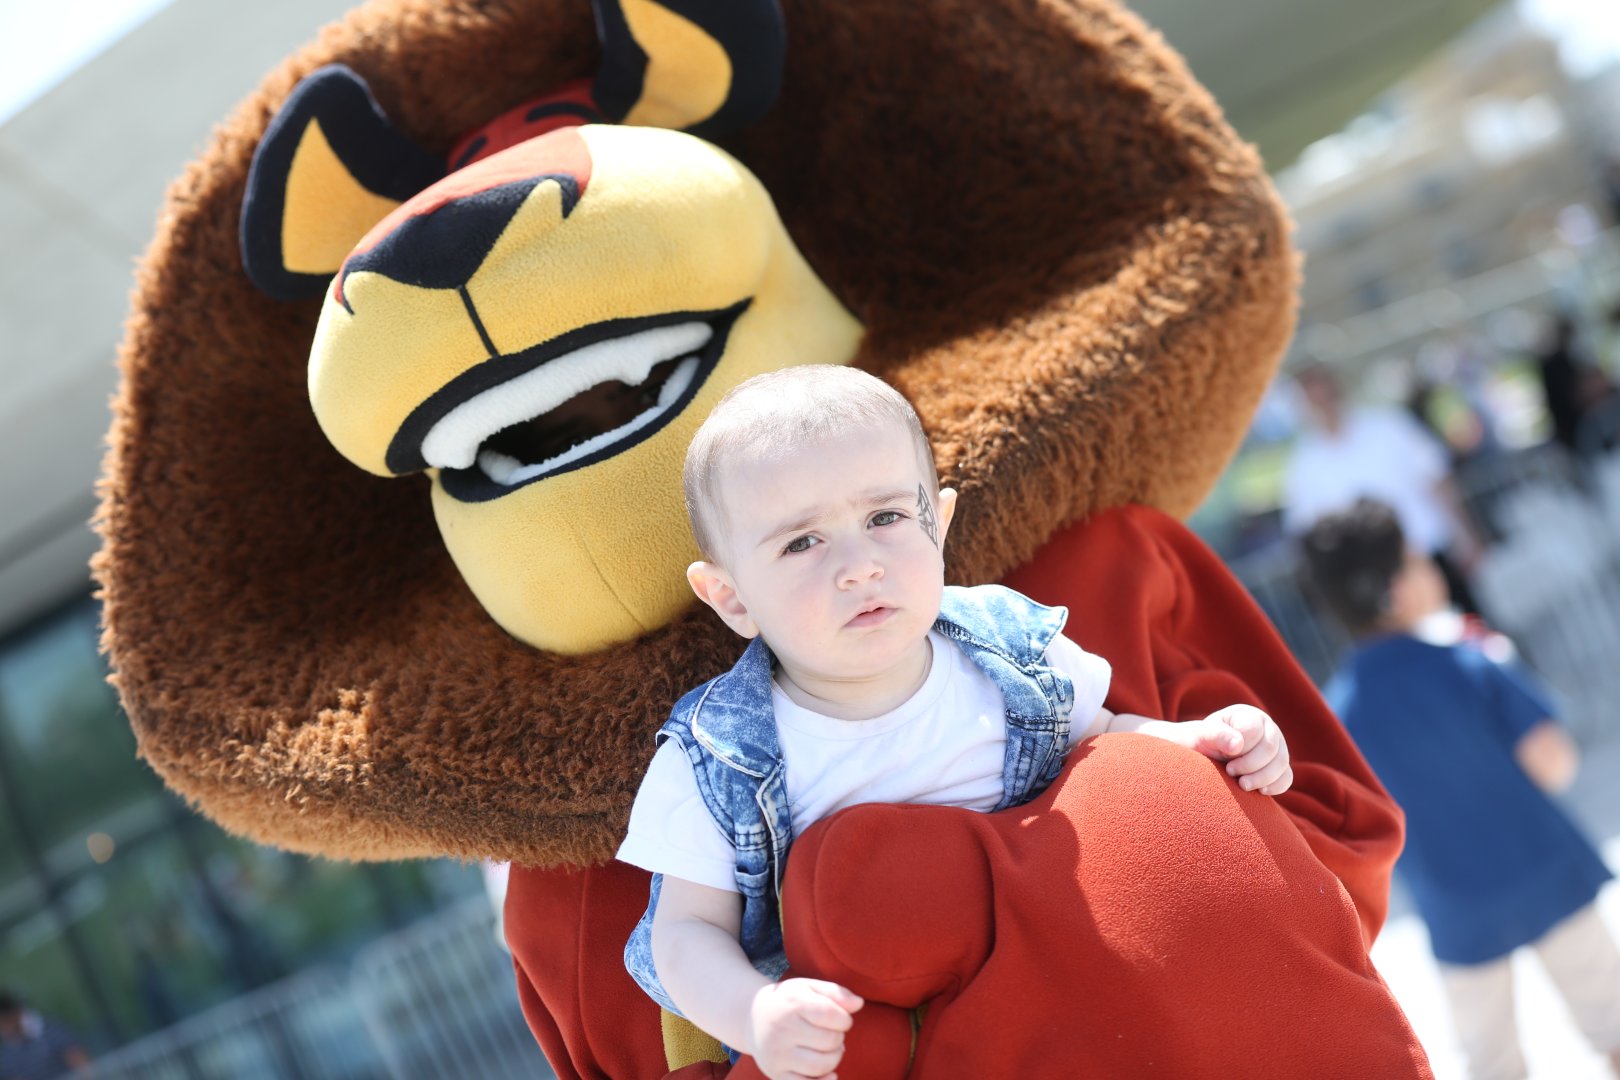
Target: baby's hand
point(798, 1028)
point(1249, 742)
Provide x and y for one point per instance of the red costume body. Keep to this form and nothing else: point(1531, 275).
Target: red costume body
point(1141, 918)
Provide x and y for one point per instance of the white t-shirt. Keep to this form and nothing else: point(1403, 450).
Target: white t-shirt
point(945, 746)
point(1379, 454)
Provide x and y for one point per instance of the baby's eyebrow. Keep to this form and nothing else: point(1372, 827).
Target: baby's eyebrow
point(897, 495)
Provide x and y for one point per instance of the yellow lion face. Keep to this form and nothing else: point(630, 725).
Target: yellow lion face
point(542, 332)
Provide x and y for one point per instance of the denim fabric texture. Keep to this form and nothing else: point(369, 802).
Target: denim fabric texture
point(728, 730)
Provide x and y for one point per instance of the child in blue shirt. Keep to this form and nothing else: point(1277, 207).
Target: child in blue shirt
point(1468, 747)
point(34, 1046)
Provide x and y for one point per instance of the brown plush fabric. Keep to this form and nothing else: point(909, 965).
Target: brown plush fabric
point(1063, 257)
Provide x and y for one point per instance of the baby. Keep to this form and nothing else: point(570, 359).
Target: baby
point(814, 500)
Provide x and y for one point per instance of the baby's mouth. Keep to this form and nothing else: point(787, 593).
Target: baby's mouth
point(871, 615)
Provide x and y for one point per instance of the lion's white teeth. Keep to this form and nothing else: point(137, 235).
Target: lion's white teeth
point(507, 471)
point(678, 381)
point(453, 442)
point(497, 466)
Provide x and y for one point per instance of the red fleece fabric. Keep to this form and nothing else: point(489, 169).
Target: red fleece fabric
point(1213, 945)
point(1143, 917)
point(1185, 638)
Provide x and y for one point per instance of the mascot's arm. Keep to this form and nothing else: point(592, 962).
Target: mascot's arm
point(567, 930)
point(1185, 638)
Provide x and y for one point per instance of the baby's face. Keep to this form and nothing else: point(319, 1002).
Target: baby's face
point(834, 549)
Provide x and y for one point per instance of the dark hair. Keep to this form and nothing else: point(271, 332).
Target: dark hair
point(9, 1003)
point(1351, 560)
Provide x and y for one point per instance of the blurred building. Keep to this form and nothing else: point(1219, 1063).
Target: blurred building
point(1469, 165)
point(1440, 230)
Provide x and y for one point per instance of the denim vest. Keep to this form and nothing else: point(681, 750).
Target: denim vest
point(728, 729)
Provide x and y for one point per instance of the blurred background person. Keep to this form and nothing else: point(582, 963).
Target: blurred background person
point(1469, 748)
point(1611, 186)
point(1572, 386)
point(1350, 452)
point(34, 1046)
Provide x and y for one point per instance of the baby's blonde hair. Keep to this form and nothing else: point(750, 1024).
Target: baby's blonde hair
point(772, 412)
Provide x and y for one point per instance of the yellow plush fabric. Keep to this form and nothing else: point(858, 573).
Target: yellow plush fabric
point(690, 88)
point(685, 1044)
point(665, 224)
point(325, 200)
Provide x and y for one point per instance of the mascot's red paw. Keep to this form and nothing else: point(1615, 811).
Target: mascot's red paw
point(1059, 919)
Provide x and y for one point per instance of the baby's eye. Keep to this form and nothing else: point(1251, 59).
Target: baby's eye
point(799, 544)
point(886, 517)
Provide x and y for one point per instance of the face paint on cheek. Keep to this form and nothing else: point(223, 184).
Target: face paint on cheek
point(925, 515)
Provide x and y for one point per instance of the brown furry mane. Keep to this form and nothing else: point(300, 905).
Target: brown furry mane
point(1062, 255)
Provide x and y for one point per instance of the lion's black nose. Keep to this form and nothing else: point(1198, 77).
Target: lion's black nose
point(444, 247)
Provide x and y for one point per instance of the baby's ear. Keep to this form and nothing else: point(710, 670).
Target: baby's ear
point(715, 588)
point(945, 504)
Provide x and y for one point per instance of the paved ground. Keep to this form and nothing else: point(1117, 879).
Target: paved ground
point(1552, 1046)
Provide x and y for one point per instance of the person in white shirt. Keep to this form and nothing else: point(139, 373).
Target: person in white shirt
point(1351, 453)
point(813, 496)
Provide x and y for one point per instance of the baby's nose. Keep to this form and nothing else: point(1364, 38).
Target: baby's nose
point(861, 570)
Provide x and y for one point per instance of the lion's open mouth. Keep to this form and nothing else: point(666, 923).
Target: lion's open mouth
point(571, 405)
point(578, 399)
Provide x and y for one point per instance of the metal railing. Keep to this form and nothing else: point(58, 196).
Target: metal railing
point(440, 1000)
point(436, 1000)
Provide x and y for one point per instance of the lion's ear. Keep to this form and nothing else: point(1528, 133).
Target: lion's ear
point(708, 67)
point(331, 166)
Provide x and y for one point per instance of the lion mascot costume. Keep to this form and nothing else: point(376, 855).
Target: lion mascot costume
point(504, 257)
